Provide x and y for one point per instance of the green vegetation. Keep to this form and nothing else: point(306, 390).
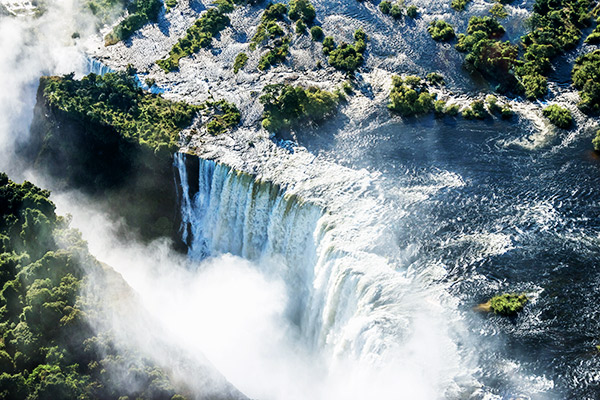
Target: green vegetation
point(412, 11)
point(504, 110)
point(393, 10)
point(507, 304)
point(459, 5)
point(475, 111)
point(169, 4)
point(286, 106)
point(269, 28)
point(493, 59)
point(498, 11)
point(586, 78)
point(555, 27)
point(137, 116)
point(435, 79)
point(385, 7)
point(302, 10)
point(140, 13)
point(300, 27)
point(558, 116)
point(440, 31)
point(276, 55)
point(596, 141)
point(198, 36)
point(594, 37)
point(105, 136)
point(409, 96)
point(346, 57)
point(239, 63)
point(316, 33)
point(49, 349)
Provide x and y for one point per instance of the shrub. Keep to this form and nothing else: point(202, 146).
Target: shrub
point(440, 31)
point(594, 37)
point(459, 5)
point(316, 33)
point(300, 27)
point(276, 55)
point(240, 61)
point(596, 141)
point(558, 116)
point(347, 57)
point(506, 112)
point(498, 11)
point(170, 4)
point(140, 13)
point(412, 11)
point(286, 106)
point(435, 79)
point(475, 111)
point(302, 10)
point(198, 36)
point(268, 27)
point(508, 304)
point(410, 96)
point(396, 11)
point(385, 7)
point(586, 78)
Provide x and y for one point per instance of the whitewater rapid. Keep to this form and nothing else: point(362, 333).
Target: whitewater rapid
point(348, 303)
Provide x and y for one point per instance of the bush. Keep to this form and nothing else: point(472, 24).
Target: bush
point(396, 11)
point(435, 79)
point(316, 33)
point(558, 116)
point(498, 11)
point(508, 304)
point(475, 111)
point(300, 27)
point(276, 55)
point(347, 57)
point(286, 106)
point(459, 5)
point(410, 96)
point(302, 10)
point(596, 141)
point(140, 13)
point(385, 7)
point(239, 63)
point(170, 4)
point(198, 36)
point(268, 27)
point(440, 31)
point(586, 78)
point(412, 11)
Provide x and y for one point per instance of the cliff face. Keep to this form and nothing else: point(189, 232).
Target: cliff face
point(128, 179)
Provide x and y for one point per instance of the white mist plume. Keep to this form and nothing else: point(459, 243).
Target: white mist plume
point(32, 46)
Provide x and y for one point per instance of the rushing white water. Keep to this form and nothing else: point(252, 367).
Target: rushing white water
point(351, 307)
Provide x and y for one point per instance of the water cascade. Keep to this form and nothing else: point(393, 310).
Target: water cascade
point(351, 305)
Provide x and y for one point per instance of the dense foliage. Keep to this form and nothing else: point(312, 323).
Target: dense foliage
point(286, 106)
point(346, 57)
point(198, 36)
point(594, 37)
point(409, 96)
point(508, 304)
point(316, 32)
point(240, 61)
point(115, 100)
point(475, 111)
point(555, 27)
point(48, 348)
point(394, 10)
point(558, 116)
point(412, 11)
point(302, 10)
point(268, 27)
point(140, 13)
point(459, 5)
point(586, 78)
point(440, 31)
point(487, 55)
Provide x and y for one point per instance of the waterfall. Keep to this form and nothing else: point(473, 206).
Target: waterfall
point(344, 299)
